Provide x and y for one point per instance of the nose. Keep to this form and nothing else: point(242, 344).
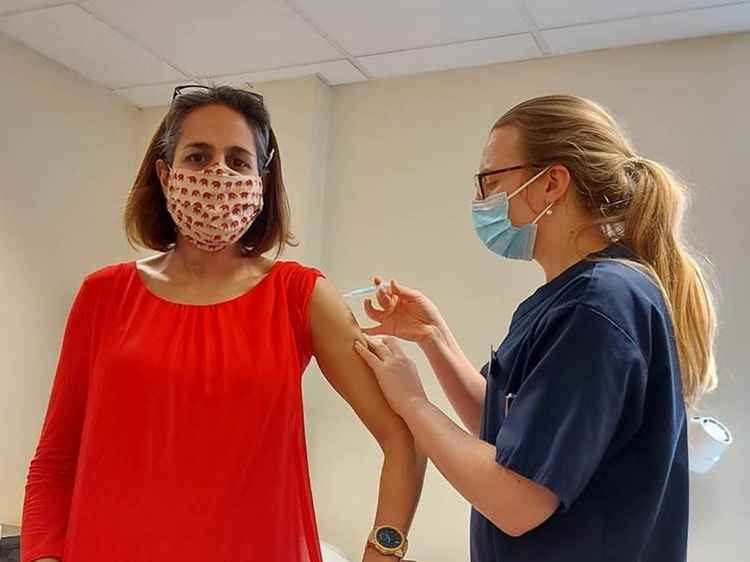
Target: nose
point(221, 167)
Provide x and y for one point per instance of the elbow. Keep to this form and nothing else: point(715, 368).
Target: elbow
point(524, 520)
point(48, 467)
point(513, 527)
point(515, 530)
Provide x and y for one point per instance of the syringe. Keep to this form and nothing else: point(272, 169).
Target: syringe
point(366, 290)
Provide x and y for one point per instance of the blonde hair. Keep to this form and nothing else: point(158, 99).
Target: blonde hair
point(634, 201)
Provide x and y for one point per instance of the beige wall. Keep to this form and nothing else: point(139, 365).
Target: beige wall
point(387, 191)
point(397, 202)
point(67, 158)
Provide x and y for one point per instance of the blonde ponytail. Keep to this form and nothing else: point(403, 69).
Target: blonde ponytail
point(636, 202)
point(652, 230)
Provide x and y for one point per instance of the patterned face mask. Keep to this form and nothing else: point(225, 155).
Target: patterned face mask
point(213, 207)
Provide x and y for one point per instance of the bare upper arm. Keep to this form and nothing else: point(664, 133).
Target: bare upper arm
point(334, 331)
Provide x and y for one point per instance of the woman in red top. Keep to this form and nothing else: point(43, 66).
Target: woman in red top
point(175, 424)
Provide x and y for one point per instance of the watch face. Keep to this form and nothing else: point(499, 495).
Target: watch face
point(388, 538)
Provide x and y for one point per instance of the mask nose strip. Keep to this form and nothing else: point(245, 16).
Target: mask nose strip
point(219, 169)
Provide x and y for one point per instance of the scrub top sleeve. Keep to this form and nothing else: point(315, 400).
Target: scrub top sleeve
point(583, 375)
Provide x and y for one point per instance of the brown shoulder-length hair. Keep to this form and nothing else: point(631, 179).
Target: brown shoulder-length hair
point(147, 221)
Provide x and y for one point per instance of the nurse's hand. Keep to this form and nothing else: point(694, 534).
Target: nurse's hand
point(395, 372)
point(405, 313)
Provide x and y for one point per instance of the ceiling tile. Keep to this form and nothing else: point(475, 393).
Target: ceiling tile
point(340, 72)
point(365, 27)
point(727, 19)
point(75, 39)
point(149, 96)
point(334, 72)
point(553, 13)
point(13, 6)
point(218, 37)
point(472, 53)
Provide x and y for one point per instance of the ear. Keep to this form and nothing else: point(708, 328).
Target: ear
point(558, 184)
point(162, 170)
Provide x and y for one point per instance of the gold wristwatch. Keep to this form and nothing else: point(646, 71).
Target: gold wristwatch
point(389, 541)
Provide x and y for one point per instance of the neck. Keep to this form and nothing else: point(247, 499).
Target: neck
point(189, 260)
point(558, 253)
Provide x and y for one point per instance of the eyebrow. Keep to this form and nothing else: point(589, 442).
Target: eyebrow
point(206, 146)
point(240, 149)
point(486, 170)
point(201, 145)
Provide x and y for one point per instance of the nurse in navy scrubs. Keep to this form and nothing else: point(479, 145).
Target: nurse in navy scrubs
point(574, 447)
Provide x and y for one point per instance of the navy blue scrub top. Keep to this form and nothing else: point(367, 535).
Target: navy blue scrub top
point(584, 397)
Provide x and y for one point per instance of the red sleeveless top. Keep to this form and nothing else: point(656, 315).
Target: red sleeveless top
point(175, 432)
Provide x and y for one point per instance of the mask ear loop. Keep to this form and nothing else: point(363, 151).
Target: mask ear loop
point(528, 183)
point(548, 209)
point(268, 161)
point(266, 165)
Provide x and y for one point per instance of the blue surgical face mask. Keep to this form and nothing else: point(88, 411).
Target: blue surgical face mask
point(492, 225)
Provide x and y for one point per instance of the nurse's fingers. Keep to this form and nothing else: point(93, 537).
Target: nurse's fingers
point(368, 356)
point(393, 345)
point(386, 301)
point(383, 294)
point(401, 290)
point(374, 313)
point(379, 348)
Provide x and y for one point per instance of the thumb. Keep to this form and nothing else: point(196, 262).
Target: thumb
point(401, 290)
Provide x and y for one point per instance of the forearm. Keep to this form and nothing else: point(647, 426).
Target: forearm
point(513, 503)
point(401, 480)
point(47, 501)
point(335, 331)
point(464, 386)
point(45, 522)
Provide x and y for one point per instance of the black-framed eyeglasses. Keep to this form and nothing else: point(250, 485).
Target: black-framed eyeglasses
point(479, 178)
point(187, 88)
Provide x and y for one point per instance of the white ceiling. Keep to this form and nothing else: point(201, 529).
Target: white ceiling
point(141, 49)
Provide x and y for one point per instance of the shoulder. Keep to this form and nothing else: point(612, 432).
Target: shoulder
point(291, 267)
point(294, 272)
point(622, 282)
point(622, 292)
point(604, 282)
point(107, 277)
point(97, 287)
point(296, 280)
